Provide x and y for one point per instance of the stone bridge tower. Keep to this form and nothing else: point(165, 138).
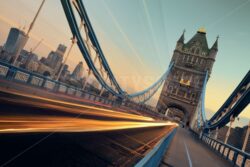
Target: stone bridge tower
point(182, 89)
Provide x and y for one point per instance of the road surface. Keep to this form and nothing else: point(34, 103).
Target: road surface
point(30, 113)
point(112, 148)
point(43, 131)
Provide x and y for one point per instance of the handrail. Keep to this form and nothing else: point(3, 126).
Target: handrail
point(153, 158)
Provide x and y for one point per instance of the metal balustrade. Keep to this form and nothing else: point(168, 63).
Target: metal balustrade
point(22, 76)
point(154, 157)
point(234, 155)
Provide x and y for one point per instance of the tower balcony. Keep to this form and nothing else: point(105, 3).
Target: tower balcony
point(185, 82)
point(190, 64)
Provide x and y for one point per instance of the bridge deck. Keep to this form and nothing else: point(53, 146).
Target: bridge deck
point(186, 150)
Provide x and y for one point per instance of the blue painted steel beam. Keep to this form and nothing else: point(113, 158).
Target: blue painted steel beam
point(67, 6)
point(236, 109)
point(163, 77)
point(70, 15)
point(244, 81)
point(95, 42)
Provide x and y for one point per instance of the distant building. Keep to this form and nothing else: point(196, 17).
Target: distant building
point(55, 58)
point(32, 62)
point(65, 73)
point(78, 72)
point(95, 84)
point(51, 65)
point(23, 57)
point(15, 43)
point(75, 78)
point(45, 70)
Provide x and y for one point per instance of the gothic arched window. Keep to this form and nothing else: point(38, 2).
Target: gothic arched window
point(201, 61)
point(197, 60)
point(197, 51)
point(170, 89)
point(192, 50)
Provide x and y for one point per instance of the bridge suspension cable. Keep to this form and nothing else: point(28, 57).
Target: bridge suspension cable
point(232, 107)
point(146, 94)
point(94, 56)
point(201, 121)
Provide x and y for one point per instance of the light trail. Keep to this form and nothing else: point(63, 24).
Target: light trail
point(53, 119)
point(21, 124)
point(70, 107)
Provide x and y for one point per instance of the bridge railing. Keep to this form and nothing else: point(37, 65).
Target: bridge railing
point(20, 75)
point(23, 76)
point(154, 157)
point(234, 155)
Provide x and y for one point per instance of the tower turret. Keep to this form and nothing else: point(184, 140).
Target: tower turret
point(214, 49)
point(212, 55)
point(180, 42)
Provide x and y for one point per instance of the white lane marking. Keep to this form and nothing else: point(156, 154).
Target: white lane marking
point(189, 159)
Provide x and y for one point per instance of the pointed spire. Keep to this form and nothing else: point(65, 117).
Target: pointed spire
point(215, 45)
point(181, 39)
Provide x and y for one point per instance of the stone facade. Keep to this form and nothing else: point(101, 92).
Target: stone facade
point(182, 89)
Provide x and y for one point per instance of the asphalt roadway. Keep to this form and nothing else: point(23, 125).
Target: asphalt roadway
point(22, 112)
point(40, 131)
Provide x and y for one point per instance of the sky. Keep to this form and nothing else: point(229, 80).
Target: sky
point(138, 37)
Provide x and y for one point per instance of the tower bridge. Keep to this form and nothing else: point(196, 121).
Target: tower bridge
point(45, 122)
point(183, 87)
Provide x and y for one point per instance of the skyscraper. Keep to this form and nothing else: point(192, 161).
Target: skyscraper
point(65, 73)
point(53, 62)
point(61, 49)
point(55, 58)
point(17, 39)
point(78, 72)
point(15, 42)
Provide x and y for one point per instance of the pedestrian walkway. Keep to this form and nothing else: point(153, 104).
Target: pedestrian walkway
point(188, 151)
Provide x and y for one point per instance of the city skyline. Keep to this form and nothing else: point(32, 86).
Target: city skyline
point(120, 37)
